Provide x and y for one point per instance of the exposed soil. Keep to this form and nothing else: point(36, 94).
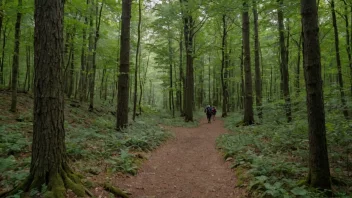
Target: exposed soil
point(188, 165)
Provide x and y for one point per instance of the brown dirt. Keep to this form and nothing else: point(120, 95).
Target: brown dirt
point(188, 165)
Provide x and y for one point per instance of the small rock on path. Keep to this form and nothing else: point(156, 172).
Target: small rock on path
point(187, 166)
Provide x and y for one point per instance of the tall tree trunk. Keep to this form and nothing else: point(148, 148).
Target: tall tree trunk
point(348, 41)
point(297, 84)
point(94, 52)
point(248, 104)
point(4, 39)
point(28, 69)
point(70, 76)
point(338, 61)
point(188, 35)
point(223, 67)
point(319, 172)
point(209, 82)
point(1, 65)
point(283, 63)
point(258, 83)
point(48, 124)
point(141, 84)
point(71, 64)
point(242, 78)
point(171, 91)
point(137, 57)
point(102, 82)
point(83, 72)
point(123, 81)
point(182, 80)
point(16, 53)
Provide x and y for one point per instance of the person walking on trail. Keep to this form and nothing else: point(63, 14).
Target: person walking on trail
point(213, 112)
point(208, 111)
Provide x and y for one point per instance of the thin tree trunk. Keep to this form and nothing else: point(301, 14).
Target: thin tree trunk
point(319, 173)
point(83, 72)
point(141, 85)
point(223, 67)
point(283, 63)
point(242, 77)
point(15, 63)
point(4, 39)
point(348, 42)
point(94, 53)
point(258, 83)
point(338, 61)
point(137, 57)
point(123, 81)
point(1, 65)
point(71, 70)
point(28, 68)
point(182, 80)
point(171, 91)
point(102, 82)
point(297, 84)
point(209, 82)
point(248, 105)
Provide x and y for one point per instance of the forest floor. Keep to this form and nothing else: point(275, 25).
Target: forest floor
point(188, 165)
point(157, 156)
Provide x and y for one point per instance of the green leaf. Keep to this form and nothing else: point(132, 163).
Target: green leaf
point(299, 191)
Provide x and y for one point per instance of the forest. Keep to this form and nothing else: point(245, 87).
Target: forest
point(95, 94)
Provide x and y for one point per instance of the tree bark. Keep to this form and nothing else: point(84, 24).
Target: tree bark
point(242, 78)
point(137, 57)
point(4, 39)
point(182, 80)
point(188, 35)
point(223, 67)
point(1, 22)
point(49, 164)
point(71, 64)
point(123, 81)
point(338, 61)
point(348, 41)
point(83, 72)
point(171, 91)
point(283, 63)
point(258, 82)
point(248, 104)
point(319, 172)
point(28, 69)
point(15, 62)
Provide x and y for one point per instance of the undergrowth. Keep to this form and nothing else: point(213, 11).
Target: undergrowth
point(93, 145)
point(165, 118)
point(271, 158)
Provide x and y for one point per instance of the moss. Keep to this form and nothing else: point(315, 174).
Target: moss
point(77, 188)
point(57, 186)
point(302, 182)
point(242, 177)
point(115, 191)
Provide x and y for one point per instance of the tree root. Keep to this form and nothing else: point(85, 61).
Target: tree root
point(57, 184)
point(115, 191)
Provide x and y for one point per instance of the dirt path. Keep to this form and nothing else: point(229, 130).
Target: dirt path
point(187, 166)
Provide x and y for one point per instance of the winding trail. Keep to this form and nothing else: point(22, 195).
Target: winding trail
point(187, 166)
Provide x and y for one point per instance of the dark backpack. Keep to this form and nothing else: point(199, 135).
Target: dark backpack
point(209, 110)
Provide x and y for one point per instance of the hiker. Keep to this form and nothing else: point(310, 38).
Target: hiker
point(213, 112)
point(208, 111)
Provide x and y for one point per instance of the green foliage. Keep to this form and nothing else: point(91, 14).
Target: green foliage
point(276, 153)
point(13, 139)
point(165, 118)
